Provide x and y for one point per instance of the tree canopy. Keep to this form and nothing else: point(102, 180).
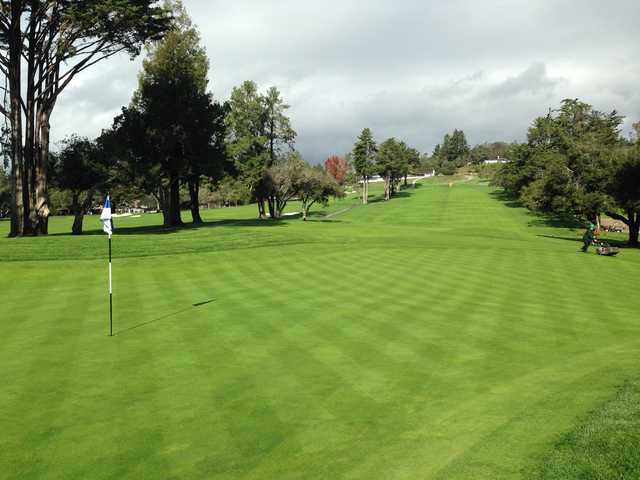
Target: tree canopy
point(44, 45)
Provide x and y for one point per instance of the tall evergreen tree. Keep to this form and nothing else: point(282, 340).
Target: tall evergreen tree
point(258, 133)
point(363, 155)
point(172, 131)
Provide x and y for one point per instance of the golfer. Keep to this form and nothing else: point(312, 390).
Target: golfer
point(588, 237)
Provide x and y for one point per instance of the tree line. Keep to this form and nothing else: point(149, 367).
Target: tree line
point(575, 161)
point(169, 141)
point(393, 160)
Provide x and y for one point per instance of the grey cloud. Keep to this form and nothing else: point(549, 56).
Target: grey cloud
point(533, 80)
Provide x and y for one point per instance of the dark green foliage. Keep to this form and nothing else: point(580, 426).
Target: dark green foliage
point(44, 45)
point(391, 164)
point(489, 151)
point(82, 170)
point(571, 165)
point(624, 187)
point(172, 134)
point(452, 153)
point(316, 186)
point(363, 154)
point(258, 133)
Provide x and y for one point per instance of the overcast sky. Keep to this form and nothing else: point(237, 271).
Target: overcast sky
point(406, 68)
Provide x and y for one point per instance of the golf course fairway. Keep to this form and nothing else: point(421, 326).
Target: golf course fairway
point(444, 334)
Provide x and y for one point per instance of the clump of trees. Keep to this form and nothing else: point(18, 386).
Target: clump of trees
point(258, 134)
point(82, 170)
point(315, 186)
point(171, 135)
point(576, 162)
point(44, 46)
point(451, 154)
point(393, 160)
point(169, 141)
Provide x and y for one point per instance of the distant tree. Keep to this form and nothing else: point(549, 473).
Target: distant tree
point(258, 133)
point(83, 171)
point(246, 141)
point(489, 151)
point(390, 164)
point(280, 135)
point(316, 186)
point(458, 147)
point(452, 153)
point(436, 151)
point(283, 178)
point(336, 167)
point(364, 154)
point(44, 45)
point(410, 161)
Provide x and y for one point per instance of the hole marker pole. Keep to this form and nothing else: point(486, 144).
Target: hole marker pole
point(110, 293)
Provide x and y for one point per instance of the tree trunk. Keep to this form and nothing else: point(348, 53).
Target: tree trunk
point(634, 227)
point(261, 213)
point(80, 210)
point(271, 203)
point(77, 223)
point(194, 191)
point(163, 200)
point(387, 188)
point(18, 206)
point(41, 209)
point(174, 201)
point(365, 190)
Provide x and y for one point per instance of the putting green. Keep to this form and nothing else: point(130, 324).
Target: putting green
point(444, 334)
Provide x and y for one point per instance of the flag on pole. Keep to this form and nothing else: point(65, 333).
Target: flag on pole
point(107, 226)
point(105, 217)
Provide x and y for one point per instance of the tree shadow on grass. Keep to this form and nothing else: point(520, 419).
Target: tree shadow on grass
point(164, 317)
point(506, 199)
point(539, 219)
point(400, 194)
point(162, 230)
point(610, 241)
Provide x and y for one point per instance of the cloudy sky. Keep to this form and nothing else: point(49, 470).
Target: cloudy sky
point(413, 69)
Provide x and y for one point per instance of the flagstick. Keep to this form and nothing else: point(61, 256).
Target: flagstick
point(110, 294)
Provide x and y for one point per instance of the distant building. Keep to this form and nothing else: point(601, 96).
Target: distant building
point(493, 161)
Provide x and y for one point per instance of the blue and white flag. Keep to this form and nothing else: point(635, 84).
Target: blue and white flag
point(105, 217)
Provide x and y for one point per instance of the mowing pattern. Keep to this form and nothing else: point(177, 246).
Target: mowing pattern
point(443, 334)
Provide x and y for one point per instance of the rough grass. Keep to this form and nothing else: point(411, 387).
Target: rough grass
point(445, 334)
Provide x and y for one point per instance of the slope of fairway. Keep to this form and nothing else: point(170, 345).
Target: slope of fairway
point(444, 334)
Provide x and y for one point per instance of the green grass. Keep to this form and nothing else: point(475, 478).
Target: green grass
point(605, 445)
point(446, 334)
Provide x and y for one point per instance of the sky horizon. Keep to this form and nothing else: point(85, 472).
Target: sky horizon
point(410, 69)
